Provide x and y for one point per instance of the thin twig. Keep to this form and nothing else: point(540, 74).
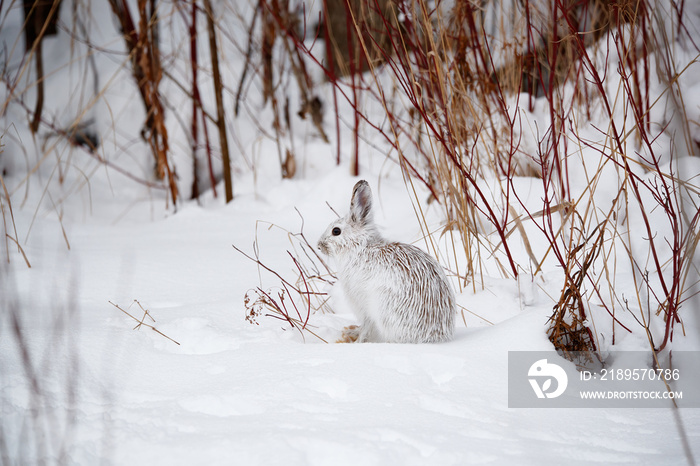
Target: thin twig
point(141, 322)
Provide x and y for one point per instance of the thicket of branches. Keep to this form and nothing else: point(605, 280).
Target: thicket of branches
point(475, 96)
point(469, 98)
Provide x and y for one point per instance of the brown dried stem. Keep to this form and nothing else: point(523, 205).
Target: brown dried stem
point(142, 46)
point(141, 322)
point(218, 92)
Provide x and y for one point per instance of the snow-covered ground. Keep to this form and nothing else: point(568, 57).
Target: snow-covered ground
point(232, 392)
point(80, 385)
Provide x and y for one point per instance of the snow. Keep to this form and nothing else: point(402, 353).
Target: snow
point(235, 392)
point(80, 385)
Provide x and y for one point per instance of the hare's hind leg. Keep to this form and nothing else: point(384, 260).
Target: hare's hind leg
point(360, 333)
point(350, 334)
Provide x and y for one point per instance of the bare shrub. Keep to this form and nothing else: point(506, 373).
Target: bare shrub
point(480, 97)
point(292, 301)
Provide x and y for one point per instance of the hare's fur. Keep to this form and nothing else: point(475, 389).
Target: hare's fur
point(399, 293)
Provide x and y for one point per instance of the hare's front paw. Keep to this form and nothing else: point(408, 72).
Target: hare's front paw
point(350, 334)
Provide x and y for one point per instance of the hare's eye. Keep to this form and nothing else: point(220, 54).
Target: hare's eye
point(336, 231)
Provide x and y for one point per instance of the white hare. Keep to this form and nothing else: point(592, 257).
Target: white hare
point(399, 293)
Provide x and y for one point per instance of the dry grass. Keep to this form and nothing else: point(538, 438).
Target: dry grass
point(295, 300)
point(141, 322)
point(9, 227)
point(479, 98)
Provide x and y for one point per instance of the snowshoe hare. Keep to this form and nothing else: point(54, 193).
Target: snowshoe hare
point(399, 293)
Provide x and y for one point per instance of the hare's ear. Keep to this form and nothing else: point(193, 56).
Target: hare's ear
point(361, 204)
